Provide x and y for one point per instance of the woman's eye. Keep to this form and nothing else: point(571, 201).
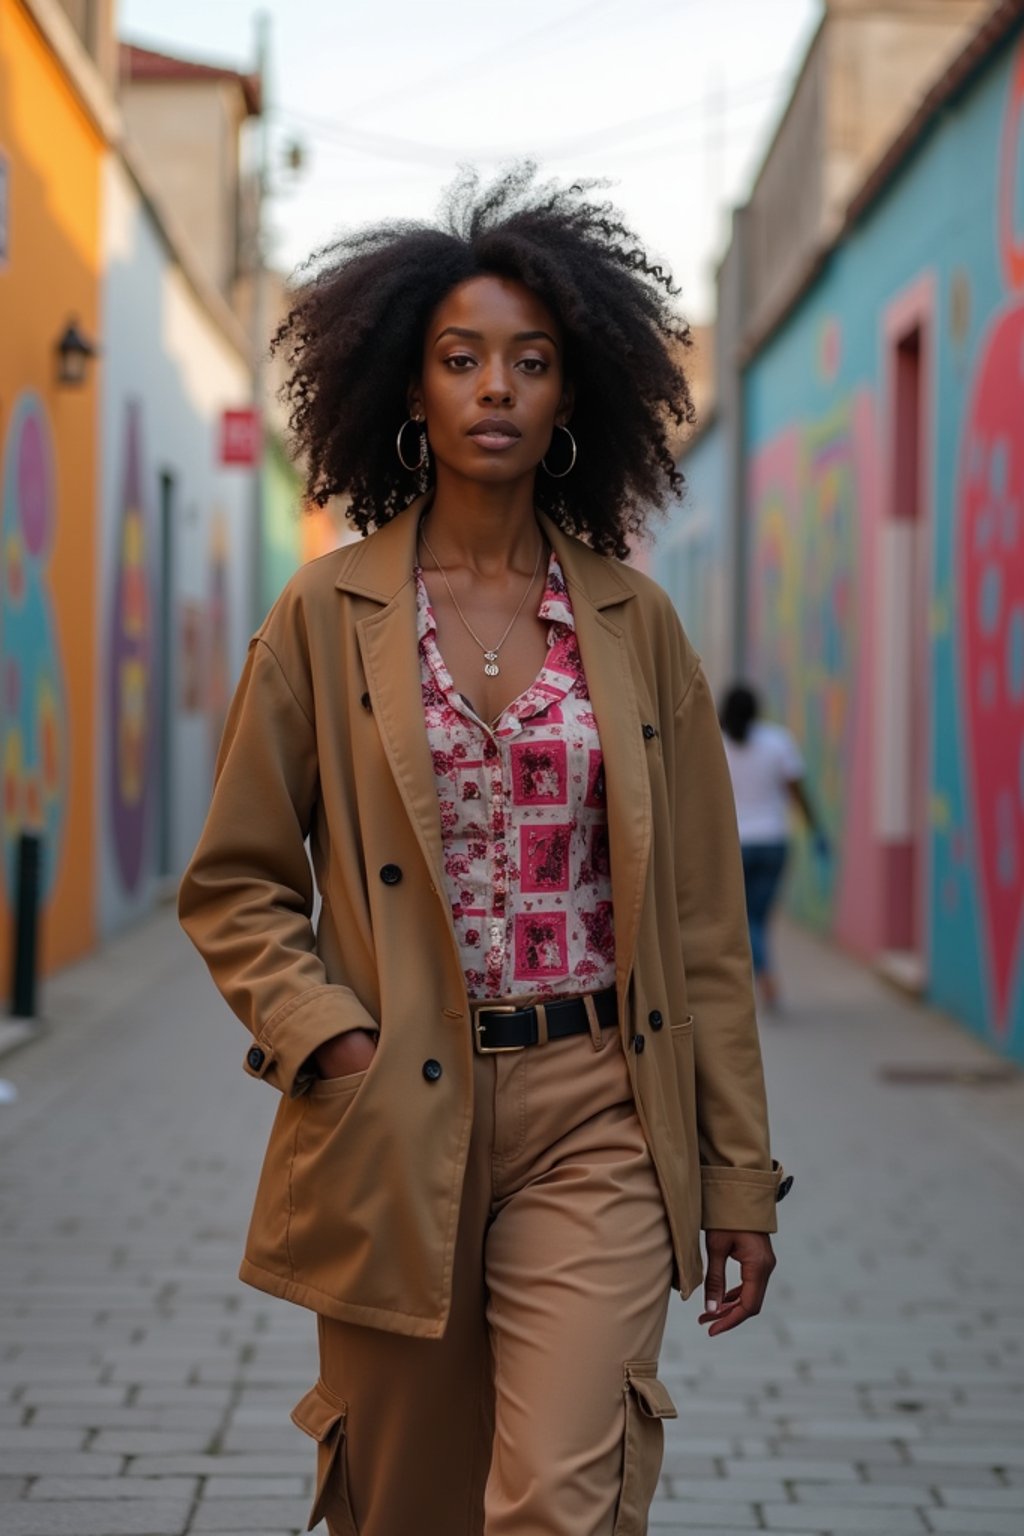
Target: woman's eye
point(458, 362)
point(533, 365)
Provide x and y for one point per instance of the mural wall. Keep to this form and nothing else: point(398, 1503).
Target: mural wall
point(689, 554)
point(175, 559)
point(48, 276)
point(887, 602)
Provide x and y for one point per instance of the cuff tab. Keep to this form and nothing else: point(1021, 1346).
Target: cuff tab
point(258, 1061)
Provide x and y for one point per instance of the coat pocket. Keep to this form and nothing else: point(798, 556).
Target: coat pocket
point(322, 1415)
point(647, 1406)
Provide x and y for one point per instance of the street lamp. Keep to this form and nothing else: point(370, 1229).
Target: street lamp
point(74, 353)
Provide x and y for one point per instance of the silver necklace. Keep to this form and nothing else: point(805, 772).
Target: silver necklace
point(491, 668)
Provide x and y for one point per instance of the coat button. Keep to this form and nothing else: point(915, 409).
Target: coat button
point(649, 732)
point(365, 701)
point(638, 1042)
point(391, 874)
point(256, 1058)
point(784, 1188)
point(432, 1070)
point(655, 1019)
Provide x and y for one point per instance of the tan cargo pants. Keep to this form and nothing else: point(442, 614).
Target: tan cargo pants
point(539, 1413)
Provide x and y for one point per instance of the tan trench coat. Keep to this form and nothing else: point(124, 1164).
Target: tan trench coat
point(356, 1210)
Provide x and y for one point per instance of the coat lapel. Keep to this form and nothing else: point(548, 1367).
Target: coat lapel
point(381, 569)
point(597, 590)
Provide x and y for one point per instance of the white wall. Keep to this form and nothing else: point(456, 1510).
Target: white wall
point(167, 365)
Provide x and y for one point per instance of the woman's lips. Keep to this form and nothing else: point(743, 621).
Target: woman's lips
point(494, 442)
point(495, 433)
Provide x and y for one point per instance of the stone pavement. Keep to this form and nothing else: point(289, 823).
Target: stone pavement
point(145, 1392)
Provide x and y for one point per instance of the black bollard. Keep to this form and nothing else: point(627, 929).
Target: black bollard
point(26, 925)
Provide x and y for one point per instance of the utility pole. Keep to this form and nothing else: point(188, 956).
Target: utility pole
point(259, 312)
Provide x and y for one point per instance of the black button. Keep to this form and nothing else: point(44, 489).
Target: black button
point(638, 1042)
point(655, 1019)
point(649, 732)
point(784, 1188)
point(432, 1070)
point(391, 874)
point(365, 701)
point(256, 1058)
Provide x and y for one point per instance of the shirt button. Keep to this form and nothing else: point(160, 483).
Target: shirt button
point(655, 1019)
point(390, 874)
point(432, 1070)
point(638, 1042)
point(649, 732)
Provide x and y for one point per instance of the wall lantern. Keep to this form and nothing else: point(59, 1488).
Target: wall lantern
point(74, 353)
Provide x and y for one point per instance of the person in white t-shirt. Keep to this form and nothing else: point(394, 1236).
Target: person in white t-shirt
point(767, 770)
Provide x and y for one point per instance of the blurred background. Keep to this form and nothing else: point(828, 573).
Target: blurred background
point(838, 186)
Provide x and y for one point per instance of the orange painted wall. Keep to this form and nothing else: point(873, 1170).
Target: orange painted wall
point(53, 154)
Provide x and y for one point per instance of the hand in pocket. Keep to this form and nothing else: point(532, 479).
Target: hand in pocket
point(346, 1054)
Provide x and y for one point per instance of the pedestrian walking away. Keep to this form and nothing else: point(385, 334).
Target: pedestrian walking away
point(768, 777)
point(517, 1055)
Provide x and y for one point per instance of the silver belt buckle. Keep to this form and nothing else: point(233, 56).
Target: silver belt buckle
point(478, 1026)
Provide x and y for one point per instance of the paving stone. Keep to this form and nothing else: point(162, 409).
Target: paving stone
point(100, 1517)
point(115, 1488)
point(894, 1521)
point(253, 1514)
point(150, 1442)
point(293, 1487)
point(892, 1495)
point(975, 1522)
point(699, 1515)
point(982, 1498)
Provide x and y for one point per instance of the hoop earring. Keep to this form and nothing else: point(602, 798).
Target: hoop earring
point(423, 462)
point(562, 473)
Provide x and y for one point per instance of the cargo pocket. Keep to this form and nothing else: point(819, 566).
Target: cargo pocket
point(647, 1404)
point(323, 1415)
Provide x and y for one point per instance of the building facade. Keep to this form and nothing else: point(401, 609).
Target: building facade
point(134, 557)
point(52, 144)
point(881, 524)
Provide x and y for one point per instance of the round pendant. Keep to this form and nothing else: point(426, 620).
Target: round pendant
point(491, 669)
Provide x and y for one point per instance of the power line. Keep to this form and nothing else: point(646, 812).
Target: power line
point(413, 151)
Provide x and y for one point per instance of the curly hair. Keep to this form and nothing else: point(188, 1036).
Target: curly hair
point(353, 342)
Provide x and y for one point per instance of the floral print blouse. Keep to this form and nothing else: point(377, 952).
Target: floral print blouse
point(523, 819)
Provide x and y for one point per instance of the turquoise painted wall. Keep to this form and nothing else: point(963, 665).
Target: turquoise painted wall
point(946, 244)
point(689, 553)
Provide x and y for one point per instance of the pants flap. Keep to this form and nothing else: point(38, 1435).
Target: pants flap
point(319, 1412)
point(650, 1393)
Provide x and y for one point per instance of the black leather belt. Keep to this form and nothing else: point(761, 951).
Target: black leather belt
point(504, 1027)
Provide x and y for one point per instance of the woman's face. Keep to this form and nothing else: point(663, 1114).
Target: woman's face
point(492, 387)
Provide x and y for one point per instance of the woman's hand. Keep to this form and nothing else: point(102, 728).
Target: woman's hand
point(345, 1054)
point(753, 1252)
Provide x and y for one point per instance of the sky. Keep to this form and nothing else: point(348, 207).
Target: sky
point(670, 102)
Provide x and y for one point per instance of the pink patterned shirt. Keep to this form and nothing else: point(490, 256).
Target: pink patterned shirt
point(523, 819)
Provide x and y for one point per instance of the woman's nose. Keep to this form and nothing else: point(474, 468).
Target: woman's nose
point(496, 386)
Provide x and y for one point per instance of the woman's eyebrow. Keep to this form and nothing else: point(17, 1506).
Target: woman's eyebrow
point(459, 330)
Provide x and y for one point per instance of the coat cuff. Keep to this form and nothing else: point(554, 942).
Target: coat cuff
point(282, 1048)
point(742, 1199)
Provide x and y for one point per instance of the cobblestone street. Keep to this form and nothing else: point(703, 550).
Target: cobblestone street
point(145, 1392)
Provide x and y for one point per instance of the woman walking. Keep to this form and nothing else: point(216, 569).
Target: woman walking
point(517, 1058)
point(767, 771)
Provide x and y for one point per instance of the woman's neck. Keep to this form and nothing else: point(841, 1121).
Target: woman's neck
point(487, 528)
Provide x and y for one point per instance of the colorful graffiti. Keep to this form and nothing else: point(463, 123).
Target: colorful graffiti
point(130, 678)
point(33, 721)
point(990, 631)
point(803, 587)
point(218, 655)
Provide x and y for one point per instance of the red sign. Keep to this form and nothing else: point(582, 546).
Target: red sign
point(241, 437)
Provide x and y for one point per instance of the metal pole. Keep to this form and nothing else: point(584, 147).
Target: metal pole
point(26, 925)
point(259, 310)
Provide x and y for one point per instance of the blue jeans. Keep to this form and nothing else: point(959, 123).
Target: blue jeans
point(763, 864)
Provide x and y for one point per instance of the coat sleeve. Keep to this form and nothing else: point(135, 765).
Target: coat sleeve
point(246, 899)
point(739, 1181)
